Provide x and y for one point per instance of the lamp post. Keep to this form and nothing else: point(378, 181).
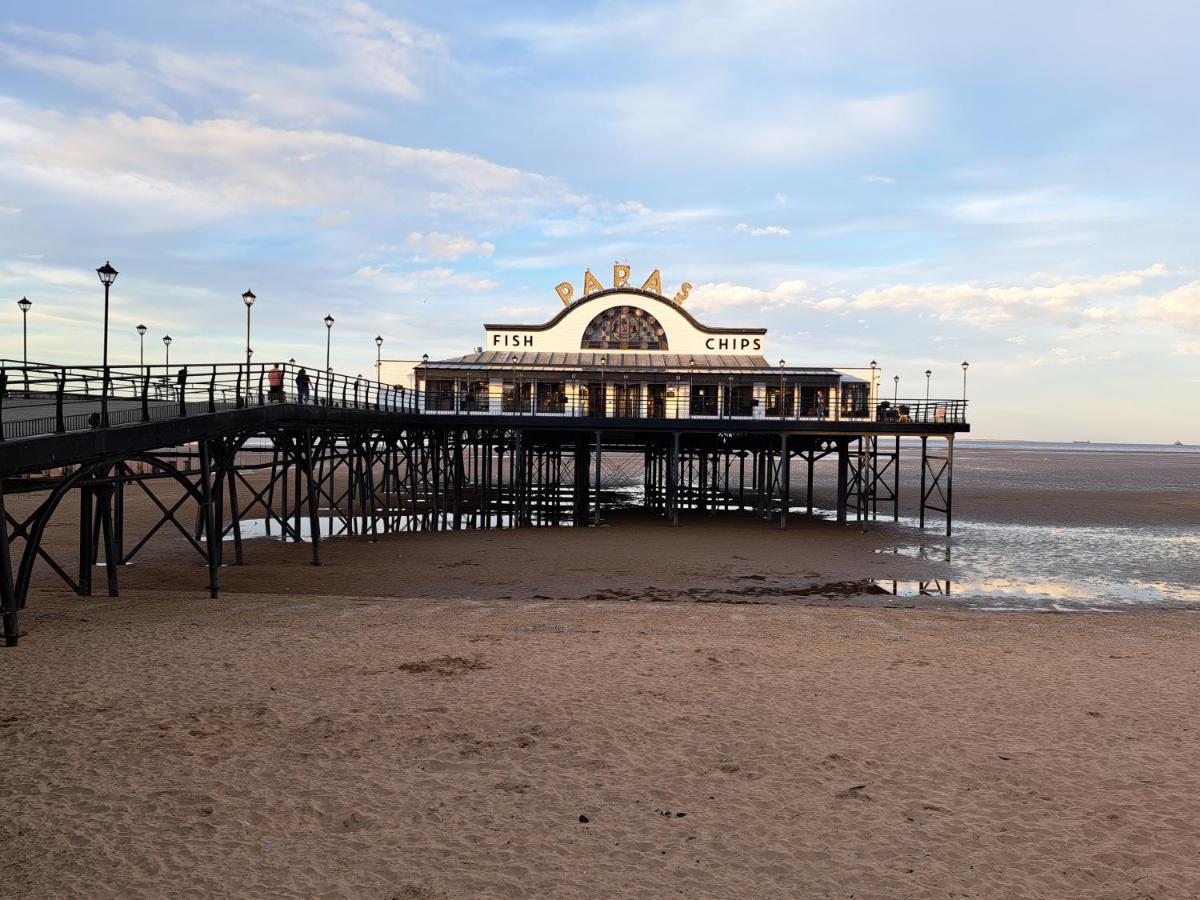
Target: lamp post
point(965, 365)
point(928, 372)
point(248, 298)
point(328, 339)
point(781, 389)
point(691, 384)
point(141, 331)
point(24, 303)
point(107, 276)
point(167, 344)
point(603, 386)
point(896, 393)
point(379, 357)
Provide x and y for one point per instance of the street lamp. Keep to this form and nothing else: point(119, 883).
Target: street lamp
point(964, 367)
point(107, 276)
point(896, 395)
point(328, 338)
point(167, 344)
point(379, 357)
point(248, 298)
point(141, 330)
point(781, 389)
point(24, 303)
point(603, 386)
point(928, 372)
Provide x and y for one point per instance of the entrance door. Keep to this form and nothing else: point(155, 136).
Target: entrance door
point(628, 400)
point(656, 401)
point(595, 399)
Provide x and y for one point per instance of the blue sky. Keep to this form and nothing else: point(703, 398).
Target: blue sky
point(920, 183)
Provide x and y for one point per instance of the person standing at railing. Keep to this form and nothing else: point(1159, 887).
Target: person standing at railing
point(275, 384)
point(303, 385)
point(820, 404)
point(181, 381)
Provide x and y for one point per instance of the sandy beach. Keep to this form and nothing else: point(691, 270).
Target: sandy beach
point(431, 716)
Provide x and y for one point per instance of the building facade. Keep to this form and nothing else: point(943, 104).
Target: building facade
point(631, 352)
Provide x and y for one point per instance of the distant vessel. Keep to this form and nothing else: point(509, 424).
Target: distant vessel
point(1179, 443)
point(1080, 442)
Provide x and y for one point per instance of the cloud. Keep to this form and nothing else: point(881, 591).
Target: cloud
point(435, 280)
point(876, 179)
point(357, 50)
point(1185, 348)
point(795, 129)
point(765, 231)
point(1180, 307)
point(210, 169)
point(1059, 300)
point(438, 246)
point(713, 297)
point(996, 304)
point(781, 199)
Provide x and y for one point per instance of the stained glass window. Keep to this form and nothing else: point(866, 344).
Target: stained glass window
point(624, 328)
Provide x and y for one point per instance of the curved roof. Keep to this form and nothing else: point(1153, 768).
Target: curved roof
point(608, 292)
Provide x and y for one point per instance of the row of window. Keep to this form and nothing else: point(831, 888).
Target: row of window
point(644, 400)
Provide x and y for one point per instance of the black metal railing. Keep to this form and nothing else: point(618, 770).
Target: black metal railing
point(39, 399)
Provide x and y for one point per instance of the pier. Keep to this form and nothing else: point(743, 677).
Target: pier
point(370, 459)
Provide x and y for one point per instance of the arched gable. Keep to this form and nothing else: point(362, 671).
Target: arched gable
point(624, 328)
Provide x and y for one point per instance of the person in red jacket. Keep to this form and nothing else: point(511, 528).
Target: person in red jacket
point(275, 381)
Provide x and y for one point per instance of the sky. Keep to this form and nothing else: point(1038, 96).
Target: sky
point(921, 183)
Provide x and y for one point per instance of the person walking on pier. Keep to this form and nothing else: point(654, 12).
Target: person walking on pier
point(275, 383)
point(303, 385)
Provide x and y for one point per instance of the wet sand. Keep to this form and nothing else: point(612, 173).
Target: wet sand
point(431, 716)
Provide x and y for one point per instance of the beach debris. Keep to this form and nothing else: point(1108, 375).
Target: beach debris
point(584, 819)
point(854, 792)
point(444, 665)
point(666, 813)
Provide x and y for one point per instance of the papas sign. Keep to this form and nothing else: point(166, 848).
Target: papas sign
point(591, 285)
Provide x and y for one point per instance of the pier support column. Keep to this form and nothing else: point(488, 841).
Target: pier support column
point(785, 480)
point(596, 521)
point(581, 482)
point(673, 481)
point(8, 592)
point(211, 535)
point(843, 474)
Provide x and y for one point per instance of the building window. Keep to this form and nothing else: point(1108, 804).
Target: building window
point(854, 400)
point(704, 399)
point(780, 394)
point(624, 328)
point(551, 398)
point(439, 394)
point(516, 397)
point(739, 400)
point(475, 396)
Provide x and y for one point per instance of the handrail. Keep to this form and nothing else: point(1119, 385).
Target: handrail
point(58, 399)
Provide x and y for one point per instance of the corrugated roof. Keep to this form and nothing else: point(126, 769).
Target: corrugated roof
point(615, 362)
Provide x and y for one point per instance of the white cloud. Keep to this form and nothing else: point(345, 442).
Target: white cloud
point(1185, 348)
point(210, 169)
point(876, 179)
point(435, 280)
point(438, 246)
point(763, 231)
point(993, 304)
point(781, 199)
point(359, 50)
point(1112, 354)
point(712, 297)
point(1180, 307)
point(1016, 339)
